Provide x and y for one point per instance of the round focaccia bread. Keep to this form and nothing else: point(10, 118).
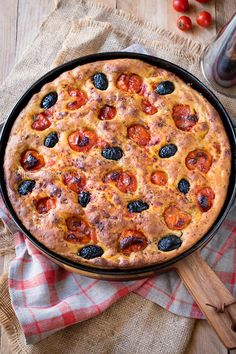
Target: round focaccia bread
point(118, 164)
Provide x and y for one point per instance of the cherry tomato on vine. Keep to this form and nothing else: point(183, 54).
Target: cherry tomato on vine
point(204, 19)
point(184, 23)
point(180, 5)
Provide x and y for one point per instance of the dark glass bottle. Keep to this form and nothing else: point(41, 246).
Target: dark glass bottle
point(218, 61)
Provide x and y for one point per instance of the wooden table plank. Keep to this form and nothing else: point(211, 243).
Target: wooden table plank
point(30, 15)
point(161, 13)
point(224, 11)
point(8, 24)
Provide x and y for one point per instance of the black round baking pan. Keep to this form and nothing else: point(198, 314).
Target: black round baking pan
point(187, 78)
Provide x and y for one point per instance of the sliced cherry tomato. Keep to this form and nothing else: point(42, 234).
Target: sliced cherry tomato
point(126, 182)
point(132, 241)
point(31, 160)
point(76, 223)
point(111, 177)
point(204, 19)
point(123, 82)
point(131, 83)
point(159, 177)
point(41, 121)
point(200, 160)
point(148, 108)
point(183, 118)
point(43, 205)
point(180, 5)
point(175, 218)
point(205, 198)
point(217, 147)
point(74, 181)
point(184, 23)
point(82, 141)
point(135, 83)
point(79, 230)
point(107, 112)
point(139, 134)
point(80, 99)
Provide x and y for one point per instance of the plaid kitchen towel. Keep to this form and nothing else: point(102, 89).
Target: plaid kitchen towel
point(47, 298)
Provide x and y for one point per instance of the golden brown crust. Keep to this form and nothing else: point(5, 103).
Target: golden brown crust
point(107, 210)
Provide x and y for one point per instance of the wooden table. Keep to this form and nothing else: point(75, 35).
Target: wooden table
point(20, 21)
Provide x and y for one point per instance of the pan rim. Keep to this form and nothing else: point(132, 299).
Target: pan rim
point(187, 78)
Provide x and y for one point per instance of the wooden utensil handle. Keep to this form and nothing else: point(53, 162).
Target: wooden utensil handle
point(206, 288)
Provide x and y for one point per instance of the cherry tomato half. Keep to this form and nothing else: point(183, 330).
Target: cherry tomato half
point(139, 134)
point(204, 19)
point(31, 160)
point(131, 83)
point(74, 181)
point(107, 112)
point(132, 241)
point(159, 177)
point(175, 218)
point(82, 141)
point(41, 121)
point(43, 205)
point(184, 23)
point(180, 5)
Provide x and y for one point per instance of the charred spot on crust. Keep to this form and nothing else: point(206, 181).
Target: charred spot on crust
point(205, 199)
point(132, 241)
point(31, 162)
point(84, 141)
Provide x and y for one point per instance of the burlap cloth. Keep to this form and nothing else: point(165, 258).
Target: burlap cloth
point(76, 28)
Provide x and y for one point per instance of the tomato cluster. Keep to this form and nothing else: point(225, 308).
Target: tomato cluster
point(184, 23)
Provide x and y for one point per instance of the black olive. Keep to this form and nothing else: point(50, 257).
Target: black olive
point(26, 187)
point(165, 88)
point(203, 202)
point(112, 153)
point(31, 162)
point(84, 198)
point(49, 100)
point(100, 81)
point(184, 186)
point(91, 251)
point(51, 140)
point(169, 243)
point(137, 206)
point(168, 151)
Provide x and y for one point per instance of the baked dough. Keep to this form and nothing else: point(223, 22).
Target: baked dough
point(131, 202)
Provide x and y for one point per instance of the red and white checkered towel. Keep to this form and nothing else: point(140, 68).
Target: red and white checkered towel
point(47, 298)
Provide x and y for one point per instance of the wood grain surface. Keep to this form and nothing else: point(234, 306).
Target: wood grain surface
point(20, 21)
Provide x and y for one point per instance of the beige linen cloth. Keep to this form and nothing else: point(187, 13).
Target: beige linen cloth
point(75, 28)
